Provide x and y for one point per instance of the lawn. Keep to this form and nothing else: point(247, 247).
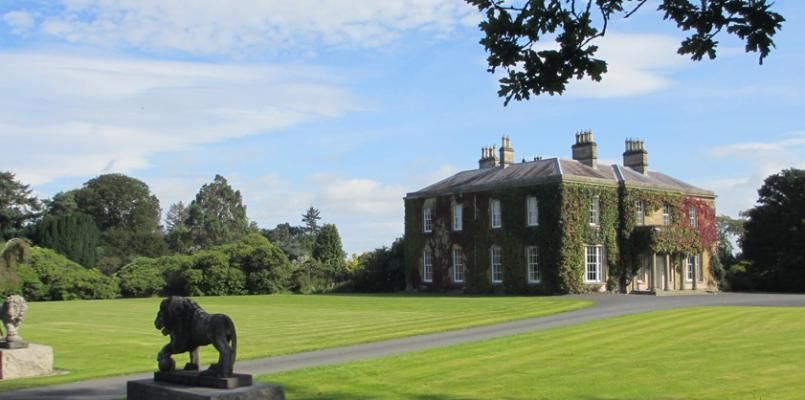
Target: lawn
point(113, 337)
point(702, 353)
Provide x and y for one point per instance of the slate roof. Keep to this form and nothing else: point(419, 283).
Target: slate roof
point(553, 170)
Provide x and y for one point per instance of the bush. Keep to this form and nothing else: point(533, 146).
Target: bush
point(50, 276)
point(142, 277)
point(383, 270)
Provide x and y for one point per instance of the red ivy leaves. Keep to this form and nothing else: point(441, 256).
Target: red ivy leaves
point(705, 220)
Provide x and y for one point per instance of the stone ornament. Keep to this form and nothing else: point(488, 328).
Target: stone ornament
point(13, 313)
point(189, 327)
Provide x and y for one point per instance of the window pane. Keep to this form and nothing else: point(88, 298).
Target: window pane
point(457, 217)
point(533, 211)
point(458, 265)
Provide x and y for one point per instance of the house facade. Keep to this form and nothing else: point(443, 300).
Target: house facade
point(560, 226)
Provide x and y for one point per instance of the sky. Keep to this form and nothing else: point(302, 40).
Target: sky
point(348, 105)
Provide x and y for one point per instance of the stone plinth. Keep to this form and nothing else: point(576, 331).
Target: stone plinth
point(35, 360)
point(148, 389)
point(198, 378)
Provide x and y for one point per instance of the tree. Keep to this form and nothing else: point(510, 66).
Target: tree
point(327, 249)
point(514, 31)
point(14, 251)
point(729, 230)
point(62, 203)
point(775, 233)
point(177, 235)
point(18, 206)
point(292, 240)
point(126, 213)
point(311, 219)
point(119, 201)
point(217, 215)
point(73, 235)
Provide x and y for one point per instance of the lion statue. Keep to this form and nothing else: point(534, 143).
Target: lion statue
point(189, 327)
point(12, 313)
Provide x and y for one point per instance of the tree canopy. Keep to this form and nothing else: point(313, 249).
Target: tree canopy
point(217, 215)
point(515, 32)
point(311, 219)
point(18, 206)
point(328, 250)
point(119, 201)
point(775, 232)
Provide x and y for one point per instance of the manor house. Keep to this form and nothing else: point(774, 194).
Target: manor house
point(560, 226)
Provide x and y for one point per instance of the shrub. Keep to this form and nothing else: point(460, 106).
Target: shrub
point(50, 276)
point(142, 277)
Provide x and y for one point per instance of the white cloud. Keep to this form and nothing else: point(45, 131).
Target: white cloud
point(215, 27)
point(69, 116)
point(760, 159)
point(637, 64)
point(20, 22)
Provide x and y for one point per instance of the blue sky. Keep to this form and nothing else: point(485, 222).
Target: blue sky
point(347, 105)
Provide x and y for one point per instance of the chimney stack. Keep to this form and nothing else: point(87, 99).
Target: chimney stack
point(585, 150)
point(488, 158)
point(636, 156)
point(506, 152)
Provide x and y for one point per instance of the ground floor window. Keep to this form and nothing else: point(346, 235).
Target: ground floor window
point(593, 256)
point(458, 265)
point(497, 264)
point(427, 265)
point(532, 263)
point(694, 264)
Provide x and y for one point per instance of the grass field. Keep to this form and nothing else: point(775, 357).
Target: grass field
point(703, 353)
point(113, 337)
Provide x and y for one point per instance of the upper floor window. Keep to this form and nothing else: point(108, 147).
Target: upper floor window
point(666, 214)
point(532, 264)
point(427, 216)
point(595, 211)
point(494, 214)
point(640, 213)
point(496, 264)
point(458, 265)
point(692, 215)
point(592, 255)
point(427, 265)
point(457, 217)
point(532, 208)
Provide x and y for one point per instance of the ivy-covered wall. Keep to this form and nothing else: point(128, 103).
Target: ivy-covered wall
point(563, 231)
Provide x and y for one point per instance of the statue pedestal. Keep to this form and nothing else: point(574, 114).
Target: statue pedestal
point(197, 378)
point(34, 360)
point(148, 389)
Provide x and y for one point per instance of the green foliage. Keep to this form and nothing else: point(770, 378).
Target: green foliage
point(775, 233)
point(382, 270)
point(13, 252)
point(217, 215)
point(73, 235)
point(142, 277)
point(328, 250)
point(311, 219)
point(127, 215)
point(513, 32)
point(62, 203)
point(18, 206)
point(294, 241)
point(177, 235)
point(48, 275)
point(119, 201)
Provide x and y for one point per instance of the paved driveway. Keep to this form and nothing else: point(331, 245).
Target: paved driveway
point(606, 306)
